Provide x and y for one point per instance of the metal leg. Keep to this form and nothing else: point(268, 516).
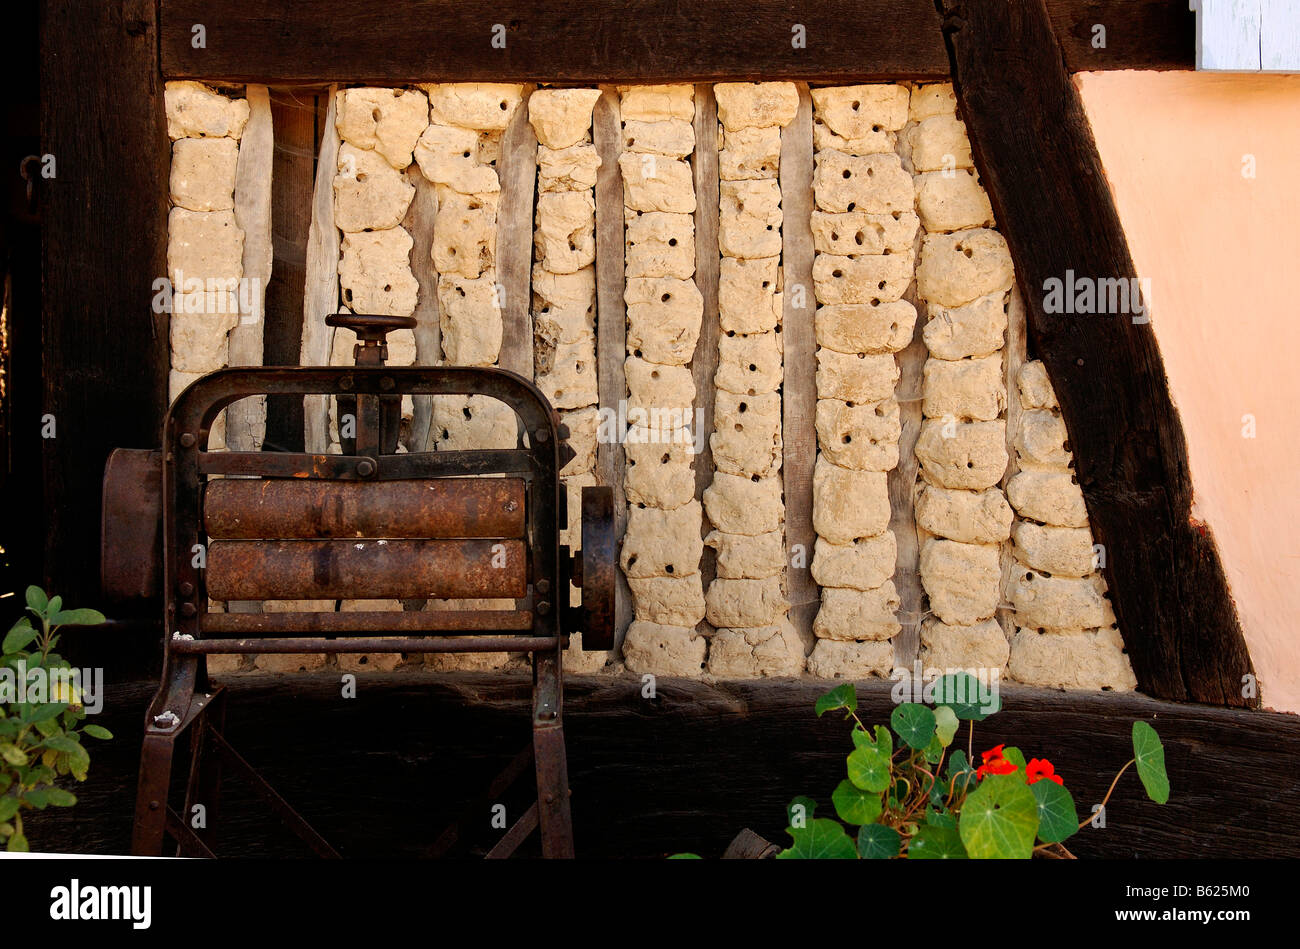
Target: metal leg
point(552, 765)
point(204, 787)
point(151, 798)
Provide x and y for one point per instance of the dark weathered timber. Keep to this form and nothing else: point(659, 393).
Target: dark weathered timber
point(634, 41)
point(293, 177)
point(684, 771)
point(104, 243)
point(1034, 149)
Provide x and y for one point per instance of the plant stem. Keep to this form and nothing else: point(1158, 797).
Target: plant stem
point(1108, 791)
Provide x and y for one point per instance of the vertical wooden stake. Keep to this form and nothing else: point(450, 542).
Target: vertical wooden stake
point(517, 169)
point(321, 292)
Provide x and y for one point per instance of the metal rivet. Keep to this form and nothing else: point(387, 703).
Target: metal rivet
point(188, 440)
point(543, 436)
point(543, 585)
point(365, 467)
point(187, 588)
point(153, 805)
point(387, 383)
point(1078, 362)
point(543, 608)
point(189, 609)
point(346, 383)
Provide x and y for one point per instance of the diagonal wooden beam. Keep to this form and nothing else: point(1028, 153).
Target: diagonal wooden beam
point(1034, 150)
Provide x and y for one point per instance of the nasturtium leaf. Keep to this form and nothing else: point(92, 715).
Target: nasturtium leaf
point(686, 856)
point(869, 769)
point(1016, 757)
point(822, 839)
point(936, 843)
point(936, 819)
point(81, 617)
point(884, 741)
point(19, 635)
point(862, 739)
point(37, 599)
point(842, 696)
point(969, 699)
point(800, 811)
point(933, 752)
point(999, 819)
point(854, 805)
point(945, 724)
point(878, 842)
point(98, 731)
point(1057, 817)
point(914, 723)
point(1149, 753)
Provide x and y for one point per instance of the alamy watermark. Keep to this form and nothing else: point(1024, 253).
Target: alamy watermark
point(84, 687)
point(1098, 295)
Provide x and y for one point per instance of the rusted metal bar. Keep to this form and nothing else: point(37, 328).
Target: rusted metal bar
point(363, 644)
point(375, 622)
point(445, 508)
point(131, 525)
point(365, 569)
point(305, 467)
point(516, 835)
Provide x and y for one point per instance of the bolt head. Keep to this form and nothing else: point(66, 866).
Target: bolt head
point(188, 440)
point(543, 608)
point(543, 585)
point(543, 436)
point(365, 467)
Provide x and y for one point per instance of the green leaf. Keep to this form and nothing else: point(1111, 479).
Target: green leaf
point(13, 754)
point(878, 842)
point(686, 856)
point(77, 618)
point(936, 843)
point(842, 696)
point(98, 731)
point(854, 805)
point(960, 769)
point(36, 599)
point(1149, 754)
point(19, 635)
point(55, 604)
point(1000, 819)
point(8, 808)
point(914, 723)
point(17, 843)
point(1057, 817)
point(968, 698)
point(869, 769)
point(945, 724)
point(1016, 757)
point(63, 743)
point(43, 712)
point(822, 839)
point(37, 797)
point(808, 805)
point(933, 752)
point(884, 741)
point(935, 819)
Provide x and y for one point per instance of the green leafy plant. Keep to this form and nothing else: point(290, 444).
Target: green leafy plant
point(41, 739)
point(909, 793)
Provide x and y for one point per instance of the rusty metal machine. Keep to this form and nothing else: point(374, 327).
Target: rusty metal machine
point(368, 523)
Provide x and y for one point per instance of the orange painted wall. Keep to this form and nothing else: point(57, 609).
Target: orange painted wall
point(1223, 254)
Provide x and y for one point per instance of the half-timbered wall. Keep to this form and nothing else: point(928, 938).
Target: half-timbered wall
point(934, 459)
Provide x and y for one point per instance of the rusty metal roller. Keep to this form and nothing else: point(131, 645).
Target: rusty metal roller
point(447, 507)
point(366, 569)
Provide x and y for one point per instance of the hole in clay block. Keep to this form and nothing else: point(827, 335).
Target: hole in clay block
point(672, 242)
point(503, 105)
point(855, 105)
point(848, 404)
point(465, 155)
point(1066, 444)
point(374, 115)
point(875, 128)
point(744, 406)
point(834, 236)
point(754, 478)
point(777, 328)
point(466, 412)
point(1029, 576)
point(893, 327)
point(738, 427)
point(668, 568)
point(637, 354)
point(641, 505)
point(388, 287)
point(362, 176)
point(766, 284)
point(666, 297)
point(837, 274)
point(580, 367)
point(852, 205)
point(769, 227)
point(631, 560)
point(847, 173)
point(654, 374)
point(731, 332)
point(664, 459)
point(881, 285)
point(847, 439)
point(751, 392)
point(858, 238)
point(880, 413)
point(871, 172)
point(753, 368)
point(970, 464)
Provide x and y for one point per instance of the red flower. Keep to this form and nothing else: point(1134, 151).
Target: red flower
point(994, 763)
point(1037, 770)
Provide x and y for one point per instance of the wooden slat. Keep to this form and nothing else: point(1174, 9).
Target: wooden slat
point(611, 322)
point(1014, 356)
point(725, 756)
point(419, 223)
point(246, 419)
point(293, 173)
point(1056, 211)
point(903, 488)
point(799, 346)
point(626, 41)
point(104, 351)
point(321, 293)
point(704, 362)
point(518, 170)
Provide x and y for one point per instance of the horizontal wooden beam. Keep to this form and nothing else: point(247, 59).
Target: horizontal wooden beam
point(1034, 149)
point(683, 770)
point(278, 41)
